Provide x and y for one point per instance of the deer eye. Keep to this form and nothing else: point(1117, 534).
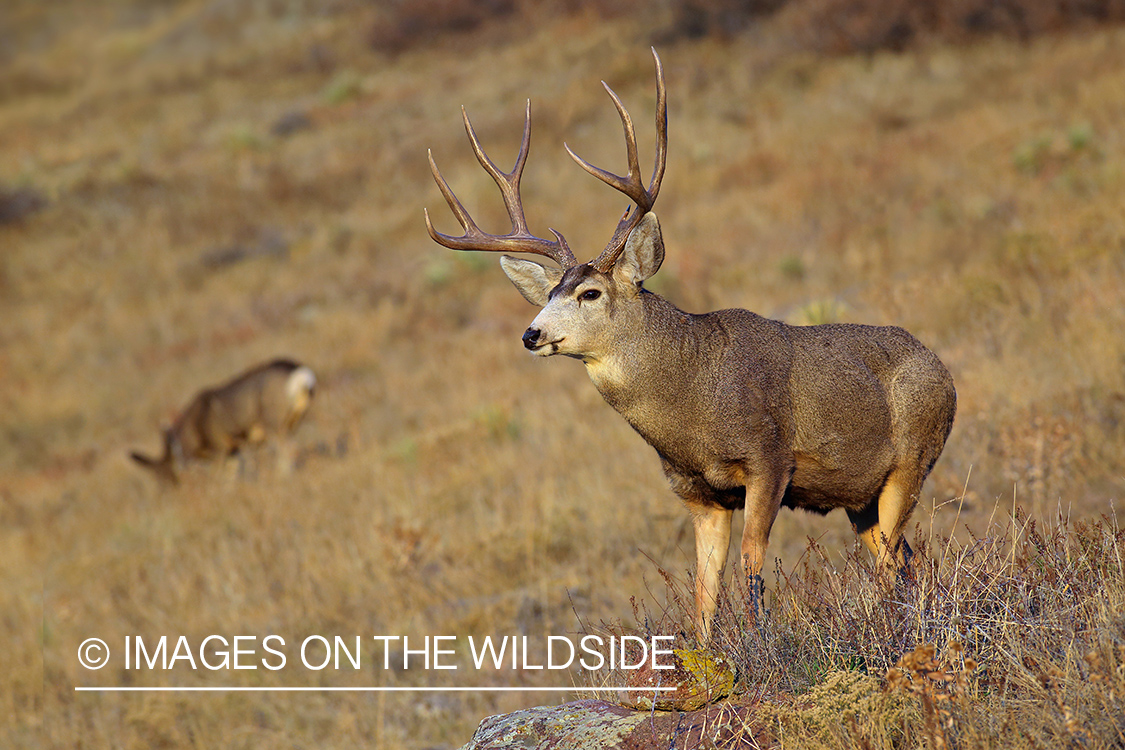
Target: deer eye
point(590, 295)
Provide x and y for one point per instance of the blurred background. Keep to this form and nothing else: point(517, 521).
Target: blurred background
point(188, 188)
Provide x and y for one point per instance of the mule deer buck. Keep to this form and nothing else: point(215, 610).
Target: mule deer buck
point(743, 411)
point(269, 399)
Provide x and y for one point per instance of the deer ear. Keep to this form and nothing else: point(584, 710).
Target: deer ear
point(534, 281)
point(644, 252)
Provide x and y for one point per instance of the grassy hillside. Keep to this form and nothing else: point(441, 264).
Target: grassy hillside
point(189, 188)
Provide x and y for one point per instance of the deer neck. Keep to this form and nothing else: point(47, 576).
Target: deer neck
point(652, 358)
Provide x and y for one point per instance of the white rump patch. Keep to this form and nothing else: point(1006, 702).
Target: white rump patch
point(300, 384)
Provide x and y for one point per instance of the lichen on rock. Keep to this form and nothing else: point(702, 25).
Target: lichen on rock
point(698, 676)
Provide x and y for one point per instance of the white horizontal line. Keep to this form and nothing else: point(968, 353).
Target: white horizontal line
point(185, 689)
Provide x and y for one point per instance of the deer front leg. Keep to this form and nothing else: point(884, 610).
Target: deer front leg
point(712, 539)
point(763, 499)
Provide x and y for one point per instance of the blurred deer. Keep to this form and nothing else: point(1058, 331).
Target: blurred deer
point(269, 399)
point(744, 412)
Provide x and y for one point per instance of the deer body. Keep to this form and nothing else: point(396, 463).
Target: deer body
point(744, 411)
point(740, 397)
point(269, 399)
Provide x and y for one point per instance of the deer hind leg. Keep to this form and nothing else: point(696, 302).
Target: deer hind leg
point(881, 524)
point(896, 503)
point(234, 466)
point(866, 523)
point(286, 455)
point(712, 539)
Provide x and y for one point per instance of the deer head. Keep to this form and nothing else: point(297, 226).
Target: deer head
point(579, 301)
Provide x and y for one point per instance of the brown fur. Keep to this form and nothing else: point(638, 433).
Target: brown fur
point(269, 399)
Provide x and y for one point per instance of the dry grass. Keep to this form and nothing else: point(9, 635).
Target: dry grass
point(450, 483)
point(1012, 639)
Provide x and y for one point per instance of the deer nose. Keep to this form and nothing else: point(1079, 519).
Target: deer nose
point(531, 338)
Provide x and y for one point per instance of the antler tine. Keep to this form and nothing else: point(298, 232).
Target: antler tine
point(459, 211)
point(520, 239)
point(631, 184)
point(508, 182)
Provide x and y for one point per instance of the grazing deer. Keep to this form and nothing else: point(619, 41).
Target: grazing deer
point(268, 399)
point(744, 411)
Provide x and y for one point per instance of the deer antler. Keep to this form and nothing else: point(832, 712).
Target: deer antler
point(631, 184)
point(520, 239)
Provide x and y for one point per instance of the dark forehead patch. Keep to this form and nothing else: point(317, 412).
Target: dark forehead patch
point(573, 278)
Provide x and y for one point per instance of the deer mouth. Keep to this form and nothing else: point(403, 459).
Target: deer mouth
point(547, 348)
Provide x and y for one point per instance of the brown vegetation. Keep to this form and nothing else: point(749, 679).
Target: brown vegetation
point(1011, 639)
point(971, 194)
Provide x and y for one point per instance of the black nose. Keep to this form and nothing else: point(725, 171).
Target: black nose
point(531, 338)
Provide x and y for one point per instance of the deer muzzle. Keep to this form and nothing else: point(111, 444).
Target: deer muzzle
point(531, 338)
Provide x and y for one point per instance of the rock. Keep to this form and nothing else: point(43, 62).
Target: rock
point(600, 725)
point(699, 677)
